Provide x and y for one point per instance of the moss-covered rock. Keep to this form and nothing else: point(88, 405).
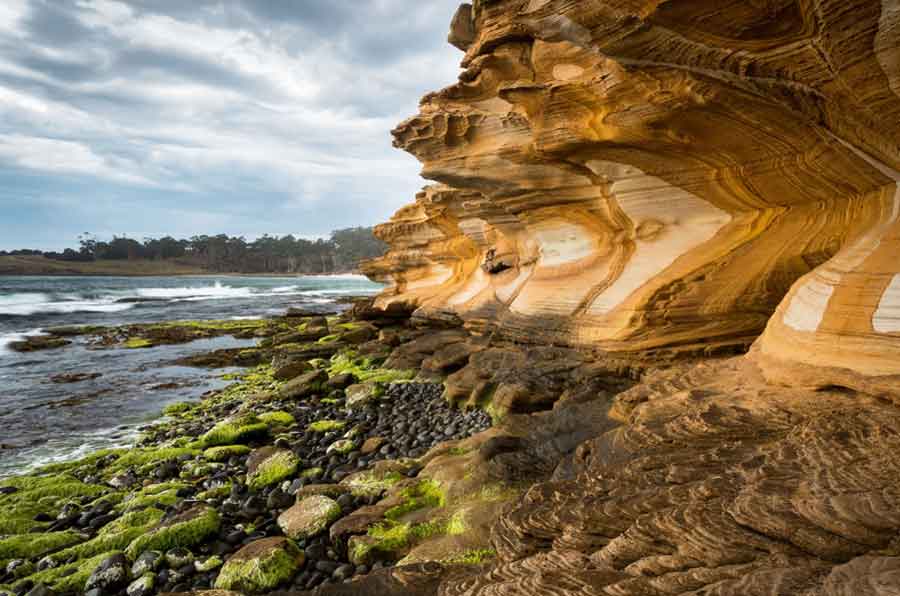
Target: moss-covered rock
point(261, 566)
point(305, 385)
point(325, 426)
point(371, 483)
point(342, 446)
point(363, 393)
point(33, 546)
point(226, 452)
point(187, 529)
point(66, 579)
point(271, 465)
point(114, 536)
point(309, 517)
point(277, 418)
point(234, 431)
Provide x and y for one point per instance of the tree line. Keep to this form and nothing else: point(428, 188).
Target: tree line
point(341, 252)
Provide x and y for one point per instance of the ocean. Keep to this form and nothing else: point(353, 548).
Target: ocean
point(43, 422)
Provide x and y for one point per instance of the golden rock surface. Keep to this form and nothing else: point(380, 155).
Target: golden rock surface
point(681, 176)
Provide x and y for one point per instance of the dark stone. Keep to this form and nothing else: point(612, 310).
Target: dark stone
point(110, 576)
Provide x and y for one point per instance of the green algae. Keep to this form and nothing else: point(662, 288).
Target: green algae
point(261, 573)
point(156, 495)
point(312, 473)
point(33, 546)
point(370, 483)
point(67, 579)
point(178, 409)
point(136, 343)
point(187, 530)
point(40, 493)
point(226, 452)
point(324, 426)
point(365, 369)
point(276, 468)
point(425, 494)
point(213, 562)
point(478, 556)
point(220, 492)
point(342, 446)
point(277, 418)
point(231, 432)
point(114, 536)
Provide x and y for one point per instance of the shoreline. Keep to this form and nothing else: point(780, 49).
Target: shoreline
point(42, 267)
point(299, 425)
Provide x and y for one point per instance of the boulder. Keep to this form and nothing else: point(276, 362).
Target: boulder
point(261, 566)
point(362, 393)
point(309, 517)
point(305, 385)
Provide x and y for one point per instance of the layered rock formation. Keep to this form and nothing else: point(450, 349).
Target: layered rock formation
point(630, 182)
point(652, 178)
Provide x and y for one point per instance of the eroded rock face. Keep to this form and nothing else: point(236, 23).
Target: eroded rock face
point(661, 177)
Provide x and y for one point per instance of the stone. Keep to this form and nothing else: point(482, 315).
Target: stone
point(261, 566)
point(269, 465)
point(143, 586)
point(361, 394)
point(110, 575)
point(148, 562)
point(309, 517)
point(371, 445)
point(305, 385)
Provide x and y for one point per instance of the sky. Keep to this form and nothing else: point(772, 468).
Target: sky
point(185, 117)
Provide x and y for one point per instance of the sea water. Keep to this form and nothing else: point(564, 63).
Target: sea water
point(43, 422)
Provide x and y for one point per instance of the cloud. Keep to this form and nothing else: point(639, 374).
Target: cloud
point(252, 115)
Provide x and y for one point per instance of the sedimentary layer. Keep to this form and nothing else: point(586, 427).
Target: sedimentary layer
point(646, 177)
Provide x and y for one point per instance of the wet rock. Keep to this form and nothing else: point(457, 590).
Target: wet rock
point(341, 381)
point(261, 566)
point(269, 465)
point(40, 590)
point(110, 576)
point(179, 557)
point(143, 586)
point(74, 377)
point(309, 517)
point(305, 385)
point(361, 394)
point(288, 366)
point(148, 562)
point(371, 445)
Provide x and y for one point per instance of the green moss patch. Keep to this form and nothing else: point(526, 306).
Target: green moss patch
point(278, 467)
point(226, 452)
point(471, 557)
point(67, 579)
point(277, 418)
point(324, 426)
point(261, 566)
point(136, 343)
point(114, 536)
point(231, 432)
point(33, 546)
point(187, 529)
point(371, 483)
point(425, 494)
point(365, 369)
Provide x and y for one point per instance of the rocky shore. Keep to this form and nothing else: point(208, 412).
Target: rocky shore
point(308, 469)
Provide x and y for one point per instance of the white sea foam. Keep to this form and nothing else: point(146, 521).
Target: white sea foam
point(8, 338)
point(217, 290)
point(33, 303)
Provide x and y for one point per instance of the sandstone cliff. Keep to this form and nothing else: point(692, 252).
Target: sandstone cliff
point(663, 177)
point(650, 186)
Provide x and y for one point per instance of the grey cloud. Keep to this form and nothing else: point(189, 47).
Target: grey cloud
point(275, 118)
